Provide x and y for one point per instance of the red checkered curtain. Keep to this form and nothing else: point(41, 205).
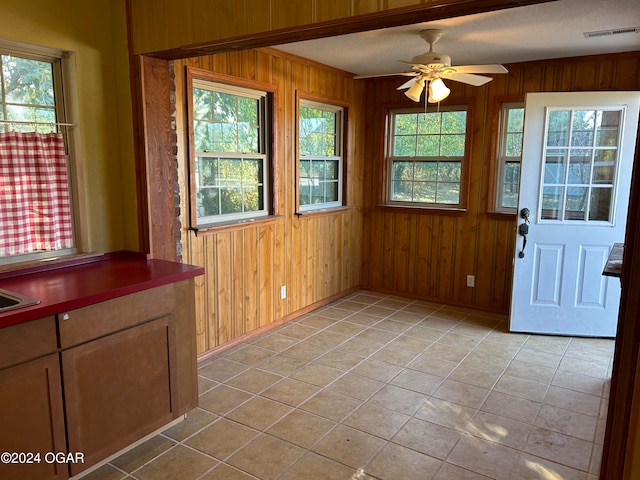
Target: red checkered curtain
point(35, 211)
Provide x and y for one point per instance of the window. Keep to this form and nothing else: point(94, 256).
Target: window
point(231, 161)
point(320, 162)
point(509, 156)
point(427, 157)
point(36, 219)
point(581, 153)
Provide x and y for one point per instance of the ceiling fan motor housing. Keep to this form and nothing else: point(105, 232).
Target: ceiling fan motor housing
point(433, 60)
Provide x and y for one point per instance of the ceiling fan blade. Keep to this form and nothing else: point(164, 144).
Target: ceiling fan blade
point(479, 69)
point(408, 84)
point(468, 78)
point(404, 74)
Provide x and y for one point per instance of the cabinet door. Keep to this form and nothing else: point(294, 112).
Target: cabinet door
point(118, 389)
point(32, 418)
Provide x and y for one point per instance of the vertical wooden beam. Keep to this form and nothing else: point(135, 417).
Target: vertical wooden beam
point(155, 157)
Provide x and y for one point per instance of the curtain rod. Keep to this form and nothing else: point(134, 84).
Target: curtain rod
point(23, 122)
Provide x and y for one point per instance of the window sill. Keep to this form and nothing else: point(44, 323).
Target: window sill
point(324, 211)
point(502, 215)
point(453, 211)
point(214, 228)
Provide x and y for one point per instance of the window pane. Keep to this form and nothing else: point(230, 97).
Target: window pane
point(402, 191)
point(429, 145)
point(426, 171)
point(28, 82)
point(208, 202)
point(551, 203)
point(449, 172)
point(404, 147)
point(600, 207)
point(448, 193)
point(604, 167)
point(424, 192)
point(608, 124)
point(576, 207)
point(558, 128)
point(202, 104)
point(555, 161)
point(406, 124)
point(583, 125)
point(452, 145)
point(579, 166)
point(511, 182)
point(454, 122)
point(231, 200)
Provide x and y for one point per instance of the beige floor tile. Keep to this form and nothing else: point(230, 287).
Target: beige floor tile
point(565, 421)
point(196, 420)
point(450, 313)
point(253, 380)
point(340, 359)
point(538, 357)
point(346, 328)
point(282, 364)
point(225, 472)
point(375, 336)
point(317, 374)
point(316, 467)
point(426, 437)
point(205, 384)
point(349, 446)
point(447, 352)
point(179, 462)
point(333, 312)
point(579, 383)
point(295, 330)
point(438, 323)
point(530, 371)
point(222, 438)
point(350, 305)
point(378, 311)
point(548, 343)
point(276, 342)
point(417, 381)
point(458, 340)
point(363, 319)
point(290, 392)
point(516, 408)
point(333, 406)
point(462, 393)
point(499, 429)
point(487, 458)
point(424, 333)
point(481, 377)
point(521, 387)
point(301, 428)
point(593, 368)
point(249, 354)
point(143, 453)
point(377, 370)
point(407, 317)
point(503, 337)
point(222, 399)
point(535, 468)
point(316, 321)
point(395, 355)
point(559, 448)
point(327, 339)
point(266, 457)
point(395, 462)
point(355, 386)
point(305, 350)
point(221, 369)
point(393, 326)
point(105, 472)
point(358, 346)
point(446, 414)
point(453, 472)
point(572, 400)
point(376, 420)
point(419, 308)
point(430, 363)
point(259, 413)
point(398, 399)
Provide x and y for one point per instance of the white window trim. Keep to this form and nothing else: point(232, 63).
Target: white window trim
point(339, 111)
point(502, 158)
point(264, 119)
point(391, 159)
point(65, 88)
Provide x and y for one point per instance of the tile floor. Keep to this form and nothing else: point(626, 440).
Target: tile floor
point(380, 387)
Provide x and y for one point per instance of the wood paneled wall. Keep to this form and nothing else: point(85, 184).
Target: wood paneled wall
point(316, 256)
point(430, 254)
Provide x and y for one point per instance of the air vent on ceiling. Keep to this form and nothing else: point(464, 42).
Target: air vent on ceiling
point(614, 31)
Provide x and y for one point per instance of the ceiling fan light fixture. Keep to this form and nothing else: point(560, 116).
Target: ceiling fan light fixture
point(416, 90)
point(438, 91)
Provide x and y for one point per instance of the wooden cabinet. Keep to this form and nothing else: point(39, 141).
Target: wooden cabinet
point(101, 378)
point(31, 411)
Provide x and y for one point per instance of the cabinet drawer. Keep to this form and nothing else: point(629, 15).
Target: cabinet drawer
point(22, 342)
point(86, 323)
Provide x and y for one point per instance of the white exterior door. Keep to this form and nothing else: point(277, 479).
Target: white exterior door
point(575, 177)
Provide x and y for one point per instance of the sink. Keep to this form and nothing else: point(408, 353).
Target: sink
point(10, 300)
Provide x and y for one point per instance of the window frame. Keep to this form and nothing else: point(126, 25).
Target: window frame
point(501, 158)
point(242, 87)
point(322, 103)
point(460, 104)
point(64, 87)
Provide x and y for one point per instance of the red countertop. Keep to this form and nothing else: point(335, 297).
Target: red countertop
point(76, 284)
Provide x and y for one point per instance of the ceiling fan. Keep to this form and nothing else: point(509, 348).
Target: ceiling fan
point(430, 68)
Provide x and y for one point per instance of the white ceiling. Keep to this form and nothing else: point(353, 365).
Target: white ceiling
point(534, 32)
